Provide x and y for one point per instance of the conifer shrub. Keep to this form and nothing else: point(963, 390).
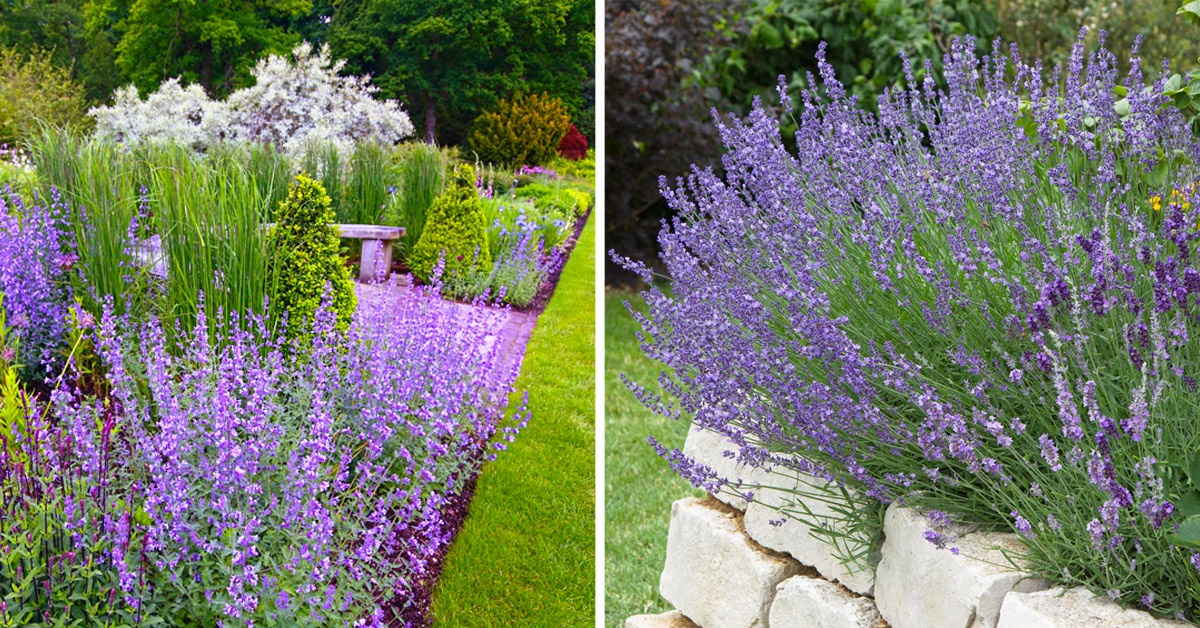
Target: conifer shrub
point(524, 130)
point(456, 230)
point(305, 258)
point(573, 145)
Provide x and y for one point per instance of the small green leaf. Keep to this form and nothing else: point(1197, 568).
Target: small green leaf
point(1189, 504)
point(1193, 470)
point(1174, 83)
point(1120, 90)
point(1122, 107)
point(767, 35)
point(1191, 11)
point(1189, 534)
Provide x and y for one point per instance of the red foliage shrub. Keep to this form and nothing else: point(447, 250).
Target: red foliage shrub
point(573, 145)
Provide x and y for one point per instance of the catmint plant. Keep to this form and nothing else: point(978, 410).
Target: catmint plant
point(968, 302)
point(33, 267)
point(241, 482)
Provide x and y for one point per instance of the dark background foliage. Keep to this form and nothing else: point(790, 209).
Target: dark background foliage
point(656, 121)
point(668, 62)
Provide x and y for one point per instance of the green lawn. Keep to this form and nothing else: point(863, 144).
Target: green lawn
point(526, 555)
point(639, 487)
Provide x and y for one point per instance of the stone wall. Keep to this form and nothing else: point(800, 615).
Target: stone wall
point(732, 564)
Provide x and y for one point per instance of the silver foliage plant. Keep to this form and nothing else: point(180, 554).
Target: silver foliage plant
point(294, 101)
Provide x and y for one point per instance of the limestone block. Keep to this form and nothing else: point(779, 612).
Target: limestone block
point(708, 448)
point(804, 602)
point(1058, 608)
point(918, 585)
point(714, 574)
point(794, 535)
point(671, 619)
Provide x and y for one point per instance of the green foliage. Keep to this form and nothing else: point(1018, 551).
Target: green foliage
point(207, 212)
point(450, 61)
point(1047, 29)
point(865, 39)
point(212, 43)
point(100, 185)
point(33, 89)
point(14, 403)
point(323, 161)
point(562, 198)
point(583, 170)
point(422, 173)
point(367, 180)
point(305, 259)
point(60, 27)
point(455, 231)
point(524, 130)
point(20, 179)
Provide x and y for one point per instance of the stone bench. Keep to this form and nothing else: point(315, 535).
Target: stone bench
point(376, 250)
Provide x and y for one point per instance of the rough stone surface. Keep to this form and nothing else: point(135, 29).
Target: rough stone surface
point(714, 574)
point(1058, 608)
point(794, 536)
point(918, 585)
point(803, 602)
point(671, 619)
point(708, 448)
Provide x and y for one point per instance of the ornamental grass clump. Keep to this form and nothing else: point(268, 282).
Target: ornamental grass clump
point(967, 302)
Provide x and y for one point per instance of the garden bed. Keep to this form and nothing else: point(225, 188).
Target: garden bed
point(339, 427)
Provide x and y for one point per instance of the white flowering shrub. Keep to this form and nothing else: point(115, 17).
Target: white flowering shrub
point(173, 113)
point(294, 101)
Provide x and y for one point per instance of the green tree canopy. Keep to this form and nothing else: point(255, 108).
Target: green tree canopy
point(448, 61)
point(214, 43)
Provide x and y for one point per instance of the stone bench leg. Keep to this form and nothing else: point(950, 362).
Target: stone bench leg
point(376, 254)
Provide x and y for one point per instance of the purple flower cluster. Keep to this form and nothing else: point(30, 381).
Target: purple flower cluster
point(538, 170)
point(33, 269)
point(251, 483)
point(967, 293)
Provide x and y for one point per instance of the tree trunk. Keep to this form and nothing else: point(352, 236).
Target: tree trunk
point(430, 119)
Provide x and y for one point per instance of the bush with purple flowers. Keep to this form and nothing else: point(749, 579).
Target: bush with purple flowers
point(978, 301)
point(33, 263)
point(233, 484)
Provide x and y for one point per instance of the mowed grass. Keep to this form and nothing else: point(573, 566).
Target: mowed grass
point(526, 555)
point(639, 486)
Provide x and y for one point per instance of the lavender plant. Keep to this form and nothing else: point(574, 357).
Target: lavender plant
point(522, 261)
point(33, 262)
point(968, 302)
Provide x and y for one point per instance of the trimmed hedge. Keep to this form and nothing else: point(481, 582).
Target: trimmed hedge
point(456, 229)
point(305, 258)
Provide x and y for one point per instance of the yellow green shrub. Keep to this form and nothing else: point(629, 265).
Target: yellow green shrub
point(305, 257)
point(455, 229)
point(524, 130)
point(33, 90)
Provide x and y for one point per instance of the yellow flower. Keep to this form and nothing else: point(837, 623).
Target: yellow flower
point(1156, 201)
